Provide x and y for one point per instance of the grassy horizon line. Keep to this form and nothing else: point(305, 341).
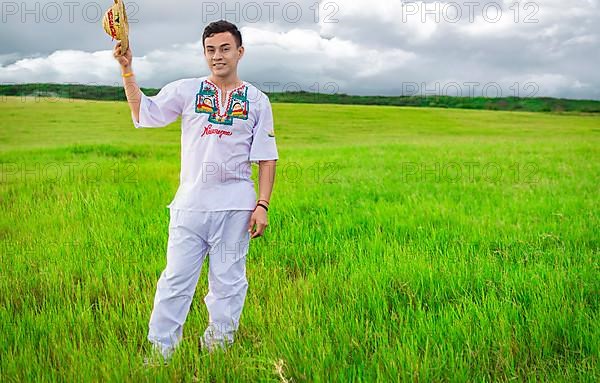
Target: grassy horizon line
point(526, 104)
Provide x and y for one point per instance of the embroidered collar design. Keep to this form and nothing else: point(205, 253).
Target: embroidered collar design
point(208, 100)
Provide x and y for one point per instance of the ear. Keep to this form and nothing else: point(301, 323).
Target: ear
point(241, 51)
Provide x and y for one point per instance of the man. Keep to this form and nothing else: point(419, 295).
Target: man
point(226, 124)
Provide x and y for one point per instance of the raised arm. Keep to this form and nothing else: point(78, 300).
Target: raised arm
point(148, 112)
point(132, 90)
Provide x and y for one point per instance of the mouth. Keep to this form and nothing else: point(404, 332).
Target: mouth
point(219, 65)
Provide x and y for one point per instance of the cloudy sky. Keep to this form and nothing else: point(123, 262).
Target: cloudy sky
point(386, 47)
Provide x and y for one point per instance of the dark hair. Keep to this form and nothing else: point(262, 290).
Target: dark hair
point(222, 26)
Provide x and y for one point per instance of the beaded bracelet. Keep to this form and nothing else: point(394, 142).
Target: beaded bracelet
point(261, 205)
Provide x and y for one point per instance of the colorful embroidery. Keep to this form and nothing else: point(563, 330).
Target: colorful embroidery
point(208, 101)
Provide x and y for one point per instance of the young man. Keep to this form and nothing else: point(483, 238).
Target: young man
point(226, 124)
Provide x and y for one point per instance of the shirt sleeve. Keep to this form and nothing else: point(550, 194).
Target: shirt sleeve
point(263, 135)
point(162, 109)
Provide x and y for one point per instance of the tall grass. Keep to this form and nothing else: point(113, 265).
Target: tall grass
point(405, 244)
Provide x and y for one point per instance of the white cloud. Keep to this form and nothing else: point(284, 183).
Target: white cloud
point(61, 66)
point(306, 49)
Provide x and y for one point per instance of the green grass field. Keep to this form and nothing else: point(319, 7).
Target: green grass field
point(405, 244)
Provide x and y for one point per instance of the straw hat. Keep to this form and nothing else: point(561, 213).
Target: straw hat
point(115, 24)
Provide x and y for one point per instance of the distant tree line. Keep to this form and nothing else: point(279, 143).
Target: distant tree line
point(531, 104)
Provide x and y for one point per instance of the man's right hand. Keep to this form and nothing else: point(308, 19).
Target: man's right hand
point(124, 60)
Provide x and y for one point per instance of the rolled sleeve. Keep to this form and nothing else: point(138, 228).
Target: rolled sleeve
point(162, 109)
point(264, 146)
point(144, 108)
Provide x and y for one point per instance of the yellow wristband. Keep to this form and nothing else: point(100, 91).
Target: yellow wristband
point(127, 74)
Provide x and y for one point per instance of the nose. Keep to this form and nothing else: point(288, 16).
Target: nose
point(217, 55)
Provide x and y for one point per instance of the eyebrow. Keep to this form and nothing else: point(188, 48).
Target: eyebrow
point(222, 45)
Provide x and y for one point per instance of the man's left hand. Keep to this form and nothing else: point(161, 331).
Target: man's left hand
point(258, 218)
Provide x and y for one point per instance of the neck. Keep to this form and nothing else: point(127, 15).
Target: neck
point(225, 83)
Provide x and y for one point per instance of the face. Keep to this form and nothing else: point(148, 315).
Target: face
point(222, 55)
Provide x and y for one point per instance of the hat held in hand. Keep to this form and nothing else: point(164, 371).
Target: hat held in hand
point(115, 24)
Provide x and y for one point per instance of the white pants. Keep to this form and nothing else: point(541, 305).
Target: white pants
point(224, 236)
